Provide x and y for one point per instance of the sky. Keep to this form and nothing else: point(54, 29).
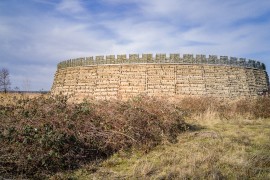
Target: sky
point(35, 35)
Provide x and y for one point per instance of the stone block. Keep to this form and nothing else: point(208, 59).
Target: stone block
point(99, 60)
point(233, 61)
point(212, 59)
point(160, 58)
point(134, 58)
point(147, 58)
point(224, 60)
point(188, 58)
point(122, 59)
point(242, 62)
point(110, 59)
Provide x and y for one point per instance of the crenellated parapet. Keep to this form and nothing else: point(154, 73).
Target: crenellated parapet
point(162, 59)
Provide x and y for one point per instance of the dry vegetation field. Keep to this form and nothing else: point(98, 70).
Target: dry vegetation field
point(143, 138)
point(11, 98)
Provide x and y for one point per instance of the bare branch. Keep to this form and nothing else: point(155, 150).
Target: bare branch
point(4, 80)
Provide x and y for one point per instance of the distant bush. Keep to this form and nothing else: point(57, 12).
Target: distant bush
point(261, 108)
point(253, 107)
point(41, 136)
point(198, 104)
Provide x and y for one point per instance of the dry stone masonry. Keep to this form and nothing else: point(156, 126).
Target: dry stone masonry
point(122, 77)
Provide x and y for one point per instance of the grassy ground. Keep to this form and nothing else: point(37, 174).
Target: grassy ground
point(220, 148)
point(144, 138)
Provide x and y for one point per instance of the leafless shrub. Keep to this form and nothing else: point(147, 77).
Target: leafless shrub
point(41, 136)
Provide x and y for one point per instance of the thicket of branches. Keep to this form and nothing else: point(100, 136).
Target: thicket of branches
point(41, 136)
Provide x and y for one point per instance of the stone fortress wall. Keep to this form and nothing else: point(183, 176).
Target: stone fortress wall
point(123, 77)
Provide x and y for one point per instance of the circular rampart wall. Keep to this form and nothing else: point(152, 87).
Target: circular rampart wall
point(122, 78)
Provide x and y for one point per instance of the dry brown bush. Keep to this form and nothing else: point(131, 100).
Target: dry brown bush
point(41, 136)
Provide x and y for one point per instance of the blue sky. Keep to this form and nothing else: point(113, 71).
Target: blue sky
point(35, 35)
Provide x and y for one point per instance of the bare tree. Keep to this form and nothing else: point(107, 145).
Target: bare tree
point(4, 80)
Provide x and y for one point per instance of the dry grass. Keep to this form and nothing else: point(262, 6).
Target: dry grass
point(12, 98)
point(230, 143)
point(221, 152)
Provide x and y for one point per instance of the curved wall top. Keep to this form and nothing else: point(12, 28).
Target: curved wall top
point(161, 59)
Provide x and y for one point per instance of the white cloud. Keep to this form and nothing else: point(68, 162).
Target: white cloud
point(70, 6)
